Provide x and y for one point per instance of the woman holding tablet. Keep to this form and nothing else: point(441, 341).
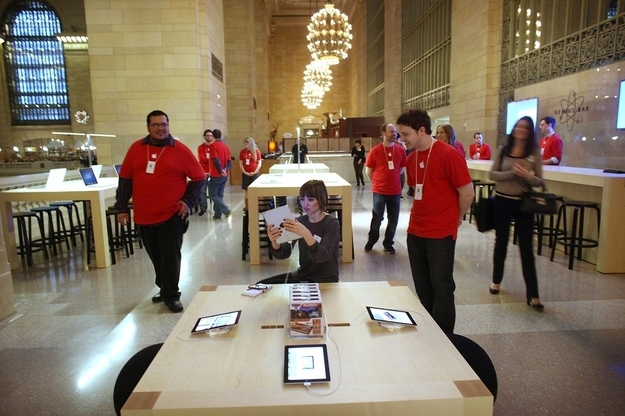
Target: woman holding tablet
point(319, 242)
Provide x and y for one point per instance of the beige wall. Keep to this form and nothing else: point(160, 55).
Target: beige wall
point(584, 106)
point(154, 55)
point(475, 68)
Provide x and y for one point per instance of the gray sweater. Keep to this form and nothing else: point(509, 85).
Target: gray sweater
point(506, 182)
point(319, 262)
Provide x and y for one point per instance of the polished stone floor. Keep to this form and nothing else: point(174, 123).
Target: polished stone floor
point(74, 328)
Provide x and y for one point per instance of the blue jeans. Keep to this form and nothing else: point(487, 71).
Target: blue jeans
point(432, 266)
point(392, 204)
point(216, 188)
point(203, 199)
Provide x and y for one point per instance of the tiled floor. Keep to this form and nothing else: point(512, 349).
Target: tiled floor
point(74, 328)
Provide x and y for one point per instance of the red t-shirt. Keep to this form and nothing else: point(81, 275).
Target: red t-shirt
point(437, 214)
point(203, 155)
point(155, 195)
point(207, 152)
point(551, 146)
point(384, 180)
point(249, 165)
point(484, 151)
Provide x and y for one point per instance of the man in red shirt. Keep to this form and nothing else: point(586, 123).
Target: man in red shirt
point(550, 145)
point(203, 155)
point(154, 173)
point(479, 150)
point(385, 163)
point(443, 193)
point(219, 162)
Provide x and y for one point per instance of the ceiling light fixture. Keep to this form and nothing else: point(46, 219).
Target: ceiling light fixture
point(329, 35)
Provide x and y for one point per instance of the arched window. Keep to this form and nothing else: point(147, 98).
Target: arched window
point(35, 64)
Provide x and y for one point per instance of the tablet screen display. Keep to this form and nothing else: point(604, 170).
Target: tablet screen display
point(390, 316)
point(222, 320)
point(306, 363)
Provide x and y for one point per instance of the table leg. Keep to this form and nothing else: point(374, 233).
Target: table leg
point(347, 224)
point(8, 229)
point(252, 213)
point(98, 215)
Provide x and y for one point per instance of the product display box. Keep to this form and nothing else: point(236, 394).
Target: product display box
point(306, 311)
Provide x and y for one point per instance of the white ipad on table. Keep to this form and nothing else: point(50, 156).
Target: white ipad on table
point(216, 322)
point(88, 176)
point(306, 364)
point(390, 316)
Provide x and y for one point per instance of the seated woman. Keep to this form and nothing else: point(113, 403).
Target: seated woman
point(319, 245)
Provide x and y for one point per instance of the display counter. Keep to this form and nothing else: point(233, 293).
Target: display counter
point(339, 162)
point(608, 189)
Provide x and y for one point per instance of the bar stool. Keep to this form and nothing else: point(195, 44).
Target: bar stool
point(264, 204)
point(549, 231)
point(480, 187)
point(74, 229)
point(335, 204)
point(27, 246)
point(577, 239)
point(57, 236)
point(118, 236)
point(133, 231)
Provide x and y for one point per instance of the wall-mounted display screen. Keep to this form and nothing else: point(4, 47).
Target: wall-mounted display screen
point(518, 109)
point(620, 112)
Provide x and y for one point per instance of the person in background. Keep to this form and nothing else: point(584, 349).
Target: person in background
point(385, 163)
point(162, 199)
point(203, 155)
point(319, 245)
point(551, 144)
point(479, 150)
point(250, 161)
point(446, 134)
point(299, 157)
point(358, 153)
point(517, 168)
point(220, 164)
point(443, 194)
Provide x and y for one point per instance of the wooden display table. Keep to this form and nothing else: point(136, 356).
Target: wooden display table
point(374, 371)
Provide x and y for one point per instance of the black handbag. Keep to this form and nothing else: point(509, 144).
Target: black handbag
point(484, 214)
point(539, 202)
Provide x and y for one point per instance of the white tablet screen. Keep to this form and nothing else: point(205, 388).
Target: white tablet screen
point(390, 315)
point(306, 363)
point(222, 320)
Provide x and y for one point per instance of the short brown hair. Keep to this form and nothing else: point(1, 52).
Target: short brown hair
point(315, 188)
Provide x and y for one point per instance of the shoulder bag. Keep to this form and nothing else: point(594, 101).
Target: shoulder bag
point(542, 203)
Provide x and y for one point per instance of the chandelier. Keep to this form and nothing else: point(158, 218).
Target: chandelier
point(312, 95)
point(329, 35)
point(318, 73)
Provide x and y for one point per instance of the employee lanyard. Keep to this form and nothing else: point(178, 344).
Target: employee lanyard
point(427, 162)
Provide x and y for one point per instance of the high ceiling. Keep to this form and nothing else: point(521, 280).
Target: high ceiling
point(296, 12)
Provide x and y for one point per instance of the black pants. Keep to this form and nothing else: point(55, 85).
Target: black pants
point(505, 209)
point(358, 167)
point(163, 244)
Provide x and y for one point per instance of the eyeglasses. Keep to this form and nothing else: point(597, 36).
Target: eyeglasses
point(260, 287)
point(156, 125)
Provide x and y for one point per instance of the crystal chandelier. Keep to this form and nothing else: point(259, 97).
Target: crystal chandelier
point(312, 95)
point(318, 73)
point(329, 35)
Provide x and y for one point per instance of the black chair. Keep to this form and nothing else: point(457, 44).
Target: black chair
point(119, 237)
point(478, 359)
point(131, 373)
